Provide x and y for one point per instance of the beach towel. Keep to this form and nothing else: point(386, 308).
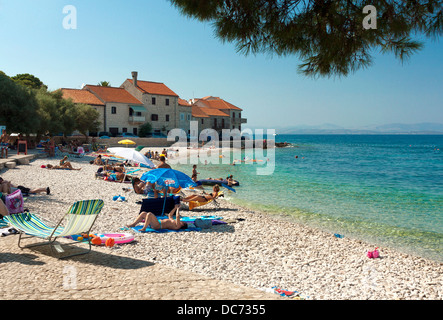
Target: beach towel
point(137, 229)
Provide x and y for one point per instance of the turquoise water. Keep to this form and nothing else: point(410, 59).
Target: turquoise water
point(387, 189)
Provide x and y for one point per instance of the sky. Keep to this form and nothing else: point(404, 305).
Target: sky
point(113, 38)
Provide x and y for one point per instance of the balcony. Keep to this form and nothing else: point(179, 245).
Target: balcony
point(138, 119)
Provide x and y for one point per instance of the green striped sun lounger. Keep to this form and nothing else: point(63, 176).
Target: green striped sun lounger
point(80, 218)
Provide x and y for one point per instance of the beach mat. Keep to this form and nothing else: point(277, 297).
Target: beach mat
point(214, 219)
point(137, 229)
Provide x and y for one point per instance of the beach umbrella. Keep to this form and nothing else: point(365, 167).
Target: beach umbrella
point(126, 142)
point(132, 155)
point(168, 178)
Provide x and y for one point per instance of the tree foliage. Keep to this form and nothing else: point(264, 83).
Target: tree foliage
point(104, 83)
point(327, 35)
point(26, 106)
point(144, 130)
point(28, 80)
point(18, 107)
point(86, 119)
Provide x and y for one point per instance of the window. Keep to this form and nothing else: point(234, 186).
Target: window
point(202, 121)
point(167, 117)
point(154, 117)
point(189, 117)
point(125, 129)
point(167, 102)
point(223, 123)
point(153, 100)
point(114, 110)
point(182, 116)
point(233, 115)
point(138, 114)
point(215, 122)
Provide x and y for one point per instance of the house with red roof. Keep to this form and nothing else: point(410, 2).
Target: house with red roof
point(165, 110)
point(220, 114)
point(79, 96)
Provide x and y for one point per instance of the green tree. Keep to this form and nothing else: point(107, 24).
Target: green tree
point(51, 118)
point(28, 80)
point(104, 83)
point(18, 107)
point(144, 130)
point(86, 119)
point(327, 35)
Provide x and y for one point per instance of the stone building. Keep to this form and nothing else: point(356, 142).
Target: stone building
point(160, 102)
point(122, 113)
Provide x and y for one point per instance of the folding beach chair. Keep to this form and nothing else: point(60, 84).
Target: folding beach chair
point(79, 219)
point(195, 204)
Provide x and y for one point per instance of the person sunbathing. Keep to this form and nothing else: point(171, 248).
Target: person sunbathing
point(50, 166)
point(205, 196)
point(65, 164)
point(7, 187)
point(152, 222)
point(98, 160)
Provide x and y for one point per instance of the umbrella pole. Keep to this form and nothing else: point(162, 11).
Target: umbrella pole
point(164, 202)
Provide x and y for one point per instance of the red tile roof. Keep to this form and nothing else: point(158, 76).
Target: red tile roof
point(112, 94)
point(217, 103)
point(197, 112)
point(81, 96)
point(154, 88)
point(202, 112)
point(183, 102)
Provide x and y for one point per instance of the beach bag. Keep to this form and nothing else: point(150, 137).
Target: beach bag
point(373, 254)
point(14, 202)
point(203, 223)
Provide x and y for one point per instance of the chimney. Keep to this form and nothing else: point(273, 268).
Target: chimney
point(134, 77)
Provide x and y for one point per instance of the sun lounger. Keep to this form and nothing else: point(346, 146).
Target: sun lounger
point(79, 219)
point(196, 204)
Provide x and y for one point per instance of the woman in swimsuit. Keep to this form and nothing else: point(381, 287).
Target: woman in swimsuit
point(65, 164)
point(151, 221)
point(204, 197)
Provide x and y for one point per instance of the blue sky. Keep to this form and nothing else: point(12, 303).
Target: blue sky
point(114, 38)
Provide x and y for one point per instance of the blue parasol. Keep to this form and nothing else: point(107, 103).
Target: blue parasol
point(168, 178)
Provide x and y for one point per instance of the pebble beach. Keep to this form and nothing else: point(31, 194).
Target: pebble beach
point(252, 249)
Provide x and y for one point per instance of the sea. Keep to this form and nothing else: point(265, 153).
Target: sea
point(383, 189)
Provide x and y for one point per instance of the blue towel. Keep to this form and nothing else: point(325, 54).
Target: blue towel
point(137, 229)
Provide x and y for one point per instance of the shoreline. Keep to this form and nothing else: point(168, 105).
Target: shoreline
point(260, 251)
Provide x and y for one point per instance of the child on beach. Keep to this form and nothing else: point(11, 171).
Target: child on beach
point(194, 173)
point(4, 143)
